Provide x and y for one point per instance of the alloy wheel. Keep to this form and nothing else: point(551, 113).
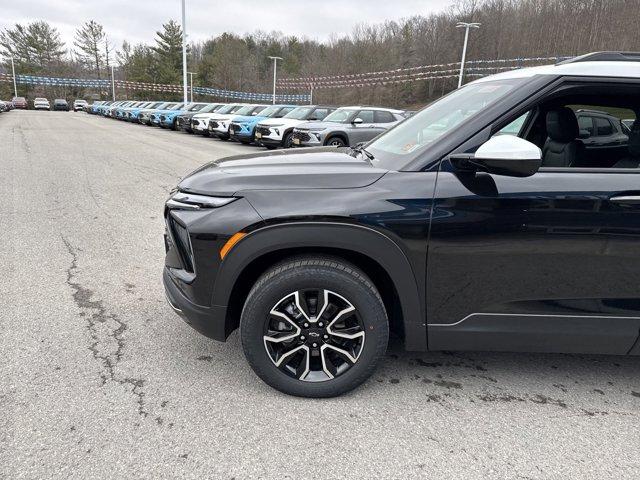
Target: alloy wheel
point(314, 335)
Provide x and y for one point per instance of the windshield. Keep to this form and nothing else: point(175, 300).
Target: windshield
point(270, 111)
point(402, 144)
point(246, 110)
point(209, 108)
point(228, 109)
point(299, 113)
point(195, 107)
point(341, 115)
point(177, 107)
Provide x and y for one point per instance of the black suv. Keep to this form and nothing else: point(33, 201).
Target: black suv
point(60, 104)
point(444, 230)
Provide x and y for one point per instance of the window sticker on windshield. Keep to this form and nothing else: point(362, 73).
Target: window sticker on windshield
point(409, 147)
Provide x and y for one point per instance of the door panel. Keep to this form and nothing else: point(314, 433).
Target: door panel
point(545, 263)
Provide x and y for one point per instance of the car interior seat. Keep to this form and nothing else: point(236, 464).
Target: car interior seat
point(633, 146)
point(562, 149)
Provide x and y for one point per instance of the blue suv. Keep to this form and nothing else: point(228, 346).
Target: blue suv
point(243, 128)
point(169, 118)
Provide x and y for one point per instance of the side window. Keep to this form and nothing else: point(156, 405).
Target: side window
point(603, 127)
point(257, 110)
point(514, 127)
point(384, 117)
point(365, 115)
point(320, 113)
point(585, 124)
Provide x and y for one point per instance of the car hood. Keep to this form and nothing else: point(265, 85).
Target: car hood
point(247, 119)
point(287, 122)
point(314, 168)
point(162, 112)
point(215, 116)
point(319, 125)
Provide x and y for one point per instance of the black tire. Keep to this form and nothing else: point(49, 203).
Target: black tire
point(336, 142)
point(324, 274)
point(287, 141)
point(270, 147)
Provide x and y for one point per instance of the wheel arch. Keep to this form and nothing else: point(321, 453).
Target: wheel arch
point(377, 254)
point(341, 134)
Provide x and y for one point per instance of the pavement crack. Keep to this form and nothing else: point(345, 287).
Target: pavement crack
point(106, 331)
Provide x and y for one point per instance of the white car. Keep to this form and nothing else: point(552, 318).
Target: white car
point(278, 132)
point(200, 121)
point(79, 104)
point(219, 124)
point(41, 104)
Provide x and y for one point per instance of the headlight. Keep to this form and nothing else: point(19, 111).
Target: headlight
point(223, 124)
point(189, 201)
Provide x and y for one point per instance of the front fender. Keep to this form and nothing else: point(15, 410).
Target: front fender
point(376, 245)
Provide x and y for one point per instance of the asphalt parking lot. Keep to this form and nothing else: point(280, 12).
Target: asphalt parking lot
point(99, 378)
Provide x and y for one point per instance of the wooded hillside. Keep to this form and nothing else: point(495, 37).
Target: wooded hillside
point(510, 29)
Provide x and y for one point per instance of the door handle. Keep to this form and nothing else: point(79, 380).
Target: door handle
point(627, 199)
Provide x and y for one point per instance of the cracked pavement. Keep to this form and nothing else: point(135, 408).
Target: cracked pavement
point(99, 378)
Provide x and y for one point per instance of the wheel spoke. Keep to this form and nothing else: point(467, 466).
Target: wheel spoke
point(314, 335)
point(299, 306)
point(343, 353)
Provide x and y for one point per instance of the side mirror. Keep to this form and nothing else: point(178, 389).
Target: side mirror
point(502, 155)
point(584, 134)
point(357, 121)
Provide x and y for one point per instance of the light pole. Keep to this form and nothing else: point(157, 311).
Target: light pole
point(191, 74)
point(184, 53)
point(275, 75)
point(13, 73)
point(466, 27)
point(113, 84)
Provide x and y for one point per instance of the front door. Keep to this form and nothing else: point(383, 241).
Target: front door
point(545, 263)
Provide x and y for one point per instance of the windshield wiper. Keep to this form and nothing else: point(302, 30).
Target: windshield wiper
point(359, 148)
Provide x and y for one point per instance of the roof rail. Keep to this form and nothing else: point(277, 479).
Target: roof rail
point(604, 57)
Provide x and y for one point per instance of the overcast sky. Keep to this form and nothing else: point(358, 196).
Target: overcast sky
point(138, 20)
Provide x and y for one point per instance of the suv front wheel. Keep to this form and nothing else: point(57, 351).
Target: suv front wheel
point(314, 327)
point(336, 142)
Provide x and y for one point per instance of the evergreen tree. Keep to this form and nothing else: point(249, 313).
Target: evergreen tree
point(36, 47)
point(168, 50)
point(88, 41)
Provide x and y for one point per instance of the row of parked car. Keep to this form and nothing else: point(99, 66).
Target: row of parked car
point(271, 126)
point(41, 103)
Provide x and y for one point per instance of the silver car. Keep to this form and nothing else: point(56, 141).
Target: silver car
point(347, 126)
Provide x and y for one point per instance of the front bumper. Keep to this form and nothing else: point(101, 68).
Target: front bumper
point(144, 118)
point(267, 136)
point(166, 121)
point(209, 321)
point(184, 124)
point(219, 129)
point(241, 133)
point(306, 138)
point(199, 126)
